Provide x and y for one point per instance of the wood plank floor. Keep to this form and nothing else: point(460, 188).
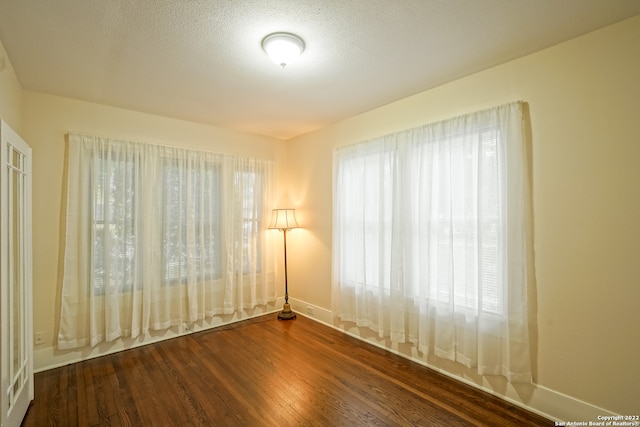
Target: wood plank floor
point(262, 372)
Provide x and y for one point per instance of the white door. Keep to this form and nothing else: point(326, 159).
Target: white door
point(15, 270)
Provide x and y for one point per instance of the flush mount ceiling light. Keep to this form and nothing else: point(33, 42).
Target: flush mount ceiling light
point(283, 48)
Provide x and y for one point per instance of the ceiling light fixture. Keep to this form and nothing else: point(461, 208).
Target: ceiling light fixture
point(283, 48)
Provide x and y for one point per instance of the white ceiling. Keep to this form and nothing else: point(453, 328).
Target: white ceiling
point(201, 60)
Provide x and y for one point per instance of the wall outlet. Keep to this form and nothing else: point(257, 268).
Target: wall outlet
point(38, 339)
point(310, 310)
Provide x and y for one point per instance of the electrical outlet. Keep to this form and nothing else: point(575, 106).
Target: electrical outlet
point(39, 338)
point(310, 310)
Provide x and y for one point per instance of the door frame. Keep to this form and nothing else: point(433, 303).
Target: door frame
point(15, 399)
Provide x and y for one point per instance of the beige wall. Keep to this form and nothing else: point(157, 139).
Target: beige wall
point(10, 93)
point(47, 119)
point(584, 102)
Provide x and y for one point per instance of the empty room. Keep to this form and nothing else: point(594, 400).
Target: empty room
point(367, 212)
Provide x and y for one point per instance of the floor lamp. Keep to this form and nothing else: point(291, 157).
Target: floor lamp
point(284, 220)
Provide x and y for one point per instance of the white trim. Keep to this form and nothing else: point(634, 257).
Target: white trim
point(50, 358)
point(544, 401)
point(16, 390)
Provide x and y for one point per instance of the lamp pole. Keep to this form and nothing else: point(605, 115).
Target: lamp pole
point(286, 313)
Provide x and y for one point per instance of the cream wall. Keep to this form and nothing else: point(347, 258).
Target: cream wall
point(10, 93)
point(584, 104)
point(46, 121)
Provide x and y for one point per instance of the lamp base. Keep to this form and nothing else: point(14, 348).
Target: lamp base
point(286, 313)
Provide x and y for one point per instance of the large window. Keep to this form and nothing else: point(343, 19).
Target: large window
point(443, 224)
point(159, 236)
point(190, 248)
point(430, 242)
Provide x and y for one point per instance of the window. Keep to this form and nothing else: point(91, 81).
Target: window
point(464, 224)
point(158, 236)
point(114, 229)
point(181, 250)
point(443, 223)
point(190, 248)
point(365, 217)
point(250, 183)
point(430, 239)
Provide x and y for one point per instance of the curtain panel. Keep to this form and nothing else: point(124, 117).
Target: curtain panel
point(158, 236)
point(431, 239)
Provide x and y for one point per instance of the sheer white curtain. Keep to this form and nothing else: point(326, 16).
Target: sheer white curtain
point(157, 236)
point(431, 239)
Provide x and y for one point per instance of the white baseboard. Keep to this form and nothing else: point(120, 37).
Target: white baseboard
point(548, 403)
point(50, 358)
point(543, 401)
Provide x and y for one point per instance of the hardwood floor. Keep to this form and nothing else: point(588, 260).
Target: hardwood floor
point(262, 372)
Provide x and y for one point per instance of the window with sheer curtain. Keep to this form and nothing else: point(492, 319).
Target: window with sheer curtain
point(431, 239)
point(160, 236)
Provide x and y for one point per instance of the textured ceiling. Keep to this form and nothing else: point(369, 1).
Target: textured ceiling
point(201, 60)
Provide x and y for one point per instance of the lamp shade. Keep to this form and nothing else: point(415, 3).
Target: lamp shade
point(283, 48)
point(283, 219)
